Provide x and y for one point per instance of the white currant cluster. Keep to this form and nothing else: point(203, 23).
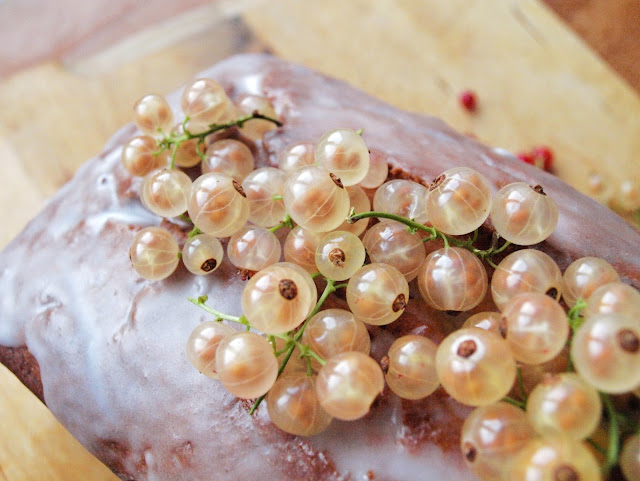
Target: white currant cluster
point(313, 364)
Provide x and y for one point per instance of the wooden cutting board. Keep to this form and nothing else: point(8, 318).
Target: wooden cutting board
point(537, 83)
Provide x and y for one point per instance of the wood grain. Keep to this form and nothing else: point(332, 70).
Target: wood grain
point(537, 83)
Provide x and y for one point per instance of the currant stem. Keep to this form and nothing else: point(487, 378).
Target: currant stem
point(329, 289)
point(515, 402)
point(194, 232)
point(523, 392)
point(286, 222)
point(201, 303)
point(277, 197)
point(174, 141)
point(614, 435)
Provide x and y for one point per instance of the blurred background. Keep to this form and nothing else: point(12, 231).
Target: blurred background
point(564, 74)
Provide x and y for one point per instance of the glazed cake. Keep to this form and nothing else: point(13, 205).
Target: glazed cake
point(104, 349)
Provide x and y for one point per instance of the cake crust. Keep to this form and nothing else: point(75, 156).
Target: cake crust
point(105, 349)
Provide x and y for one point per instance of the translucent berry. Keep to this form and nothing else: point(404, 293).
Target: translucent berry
point(459, 201)
point(523, 215)
point(316, 199)
point(404, 198)
point(294, 407)
point(554, 458)
point(613, 298)
point(204, 101)
point(152, 115)
point(154, 253)
point(412, 367)
point(630, 458)
point(377, 294)
point(300, 248)
point(359, 201)
point(536, 327)
point(297, 155)
point(138, 156)
point(217, 205)
point(378, 171)
point(339, 255)
point(584, 276)
point(334, 331)
point(390, 242)
point(452, 279)
point(475, 366)
point(564, 403)
point(202, 254)
point(491, 435)
point(534, 374)
point(166, 192)
point(344, 153)
point(526, 270)
point(276, 299)
point(253, 248)
point(606, 352)
point(187, 151)
point(307, 279)
point(203, 344)
point(348, 384)
point(256, 128)
point(230, 157)
point(261, 186)
point(489, 321)
point(246, 365)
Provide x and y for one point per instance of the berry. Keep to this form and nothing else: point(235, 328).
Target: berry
point(205, 102)
point(315, 199)
point(475, 366)
point(390, 242)
point(564, 403)
point(613, 298)
point(536, 327)
point(468, 100)
point(229, 157)
point(297, 155)
point(276, 299)
point(523, 215)
point(359, 201)
point(377, 294)
point(138, 156)
point(630, 458)
point(491, 435)
point(339, 255)
point(412, 367)
point(300, 248)
point(294, 407)
point(202, 254)
point(526, 270)
point(404, 198)
point(378, 170)
point(154, 253)
point(246, 365)
point(459, 201)
point(253, 248)
point(344, 153)
point(606, 352)
point(166, 192)
point(260, 187)
point(256, 128)
point(584, 276)
point(217, 205)
point(489, 321)
point(203, 343)
point(348, 384)
point(452, 279)
point(152, 115)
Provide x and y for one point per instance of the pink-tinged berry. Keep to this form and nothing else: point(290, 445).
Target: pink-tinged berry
point(543, 157)
point(468, 100)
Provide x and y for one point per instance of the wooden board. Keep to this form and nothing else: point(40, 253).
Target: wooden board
point(537, 83)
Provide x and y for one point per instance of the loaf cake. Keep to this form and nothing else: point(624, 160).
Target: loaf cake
point(104, 349)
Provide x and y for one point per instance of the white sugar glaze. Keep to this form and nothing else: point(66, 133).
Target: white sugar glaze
point(111, 345)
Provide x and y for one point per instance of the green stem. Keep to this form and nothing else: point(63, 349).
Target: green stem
point(614, 435)
point(329, 289)
point(277, 197)
point(201, 303)
point(286, 222)
point(514, 402)
point(597, 447)
point(194, 232)
point(174, 141)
